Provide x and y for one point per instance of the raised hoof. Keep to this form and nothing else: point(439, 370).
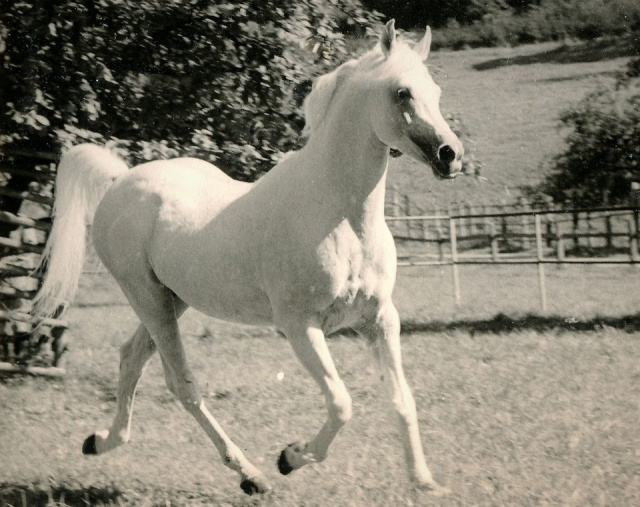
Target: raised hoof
point(89, 446)
point(255, 485)
point(283, 464)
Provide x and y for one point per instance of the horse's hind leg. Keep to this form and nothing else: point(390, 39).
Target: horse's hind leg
point(134, 356)
point(155, 305)
point(311, 349)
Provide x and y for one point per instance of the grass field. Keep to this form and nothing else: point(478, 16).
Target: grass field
point(515, 410)
point(510, 99)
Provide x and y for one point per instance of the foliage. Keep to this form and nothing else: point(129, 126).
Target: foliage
point(473, 23)
point(418, 13)
point(602, 157)
point(168, 77)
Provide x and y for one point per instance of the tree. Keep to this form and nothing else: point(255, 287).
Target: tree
point(418, 13)
point(602, 158)
point(168, 77)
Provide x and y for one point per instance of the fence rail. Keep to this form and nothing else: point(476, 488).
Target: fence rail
point(533, 238)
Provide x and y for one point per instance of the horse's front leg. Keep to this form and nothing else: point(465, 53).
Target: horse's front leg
point(385, 335)
point(311, 349)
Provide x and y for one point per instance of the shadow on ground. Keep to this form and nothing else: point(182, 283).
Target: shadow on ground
point(593, 51)
point(35, 495)
point(505, 324)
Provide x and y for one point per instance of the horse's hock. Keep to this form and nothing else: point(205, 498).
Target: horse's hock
point(26, 195)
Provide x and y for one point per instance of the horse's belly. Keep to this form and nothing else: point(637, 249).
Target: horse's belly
point(214, 272)
point(220, 295)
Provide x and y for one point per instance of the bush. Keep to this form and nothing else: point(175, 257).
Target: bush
point(188, 77)
point(547, 20)
point(603, 154)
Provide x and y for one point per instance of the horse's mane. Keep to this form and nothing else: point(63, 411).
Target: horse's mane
point(317, 102)
point(324, 88)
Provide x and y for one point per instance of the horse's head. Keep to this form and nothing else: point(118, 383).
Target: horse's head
point(406, 113)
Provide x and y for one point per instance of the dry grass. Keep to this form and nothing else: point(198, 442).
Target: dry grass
point(523, 417)
point(512, 112)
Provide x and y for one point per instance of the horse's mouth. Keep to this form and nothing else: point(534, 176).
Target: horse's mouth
point(444, 176)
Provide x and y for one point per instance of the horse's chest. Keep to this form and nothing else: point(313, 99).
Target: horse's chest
point(353, 309)
point(361, 279)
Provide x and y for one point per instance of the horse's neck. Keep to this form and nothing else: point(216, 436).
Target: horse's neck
point(351, 164)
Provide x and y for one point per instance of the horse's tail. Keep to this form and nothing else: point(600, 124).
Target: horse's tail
point(85, 173)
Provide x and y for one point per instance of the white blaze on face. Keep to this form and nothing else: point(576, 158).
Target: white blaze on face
point(428, 103)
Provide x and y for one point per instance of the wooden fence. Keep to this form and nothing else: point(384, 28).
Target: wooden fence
point(607, 235)
point(26, 196)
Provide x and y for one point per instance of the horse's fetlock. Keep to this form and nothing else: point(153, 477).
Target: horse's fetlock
point(191, 404)
point(406, 412)
point(123, 436)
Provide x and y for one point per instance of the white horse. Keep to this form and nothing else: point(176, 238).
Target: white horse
point(306, 248)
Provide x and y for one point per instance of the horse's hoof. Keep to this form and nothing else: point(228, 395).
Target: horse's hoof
point(89, 446)
point(255, 485)
point(434, 488)
point(283, 465)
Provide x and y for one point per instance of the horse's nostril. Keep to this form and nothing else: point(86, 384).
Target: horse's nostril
point(446, 154)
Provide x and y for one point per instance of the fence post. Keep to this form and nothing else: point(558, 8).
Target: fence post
point(590, 229)
point(550, 219)
point(524, 203)
point(609, 229)
point(539, 249)
point(487, 222)
point(559, 246)
point(549, 232)
point(440, 238)
point(633, 242)
point(495, 251)
point(504, 226)
point(454, 261)
point(576, 225)
point(635, 191)
point(425, 229)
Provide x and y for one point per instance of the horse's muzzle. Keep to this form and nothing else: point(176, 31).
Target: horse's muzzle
point(447, 171)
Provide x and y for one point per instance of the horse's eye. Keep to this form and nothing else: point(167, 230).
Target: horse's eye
point(403, 93)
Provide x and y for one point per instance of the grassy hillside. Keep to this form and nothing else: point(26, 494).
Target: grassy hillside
point(510, 99)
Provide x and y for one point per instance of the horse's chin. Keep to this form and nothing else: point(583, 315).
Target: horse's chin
point(441, 175)
point(448, 172)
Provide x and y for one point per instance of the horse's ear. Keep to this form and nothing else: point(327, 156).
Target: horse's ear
point(388, 37)
point(424, 46)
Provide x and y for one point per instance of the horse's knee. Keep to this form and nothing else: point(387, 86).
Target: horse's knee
point(405, 405)
point(188, 394)
point(341, 408)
